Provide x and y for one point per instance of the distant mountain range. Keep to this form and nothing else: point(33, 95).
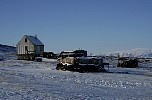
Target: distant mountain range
point(138, 52)
point(6, 48)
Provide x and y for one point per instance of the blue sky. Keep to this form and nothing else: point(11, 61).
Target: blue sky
point(97, 26)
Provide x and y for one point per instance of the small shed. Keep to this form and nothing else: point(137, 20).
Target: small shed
point(29, 47)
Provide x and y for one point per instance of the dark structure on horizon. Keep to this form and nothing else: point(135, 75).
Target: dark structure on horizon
point(76, 53)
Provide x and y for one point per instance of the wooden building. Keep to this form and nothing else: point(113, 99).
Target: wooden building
point(29, 47)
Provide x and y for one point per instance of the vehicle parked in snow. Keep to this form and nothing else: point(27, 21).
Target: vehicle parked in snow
point(81, 64)
point(78, 61)
point(127, 63)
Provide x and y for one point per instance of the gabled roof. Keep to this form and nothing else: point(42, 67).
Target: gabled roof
point(34, 40)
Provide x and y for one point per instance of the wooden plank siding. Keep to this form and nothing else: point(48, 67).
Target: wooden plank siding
point(29, 45)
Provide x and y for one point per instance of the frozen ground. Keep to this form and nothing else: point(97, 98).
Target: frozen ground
point(28, 80)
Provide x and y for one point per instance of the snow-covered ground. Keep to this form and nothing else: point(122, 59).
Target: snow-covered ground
point(29, 80)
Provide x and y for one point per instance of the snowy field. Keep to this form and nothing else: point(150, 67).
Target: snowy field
point(29, 80)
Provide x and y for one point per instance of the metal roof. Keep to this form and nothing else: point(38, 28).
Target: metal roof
point(34, 40)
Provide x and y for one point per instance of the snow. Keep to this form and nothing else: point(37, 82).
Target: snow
point(30, 80)
point(87, 58)
point(138, 52)
point(5, 48)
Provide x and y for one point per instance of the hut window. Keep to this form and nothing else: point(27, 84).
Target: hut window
point(25, 39)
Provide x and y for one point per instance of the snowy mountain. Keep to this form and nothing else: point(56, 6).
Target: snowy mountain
point(6, 48)
point(7, 52)
point(31, 80)
point(138, 52)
